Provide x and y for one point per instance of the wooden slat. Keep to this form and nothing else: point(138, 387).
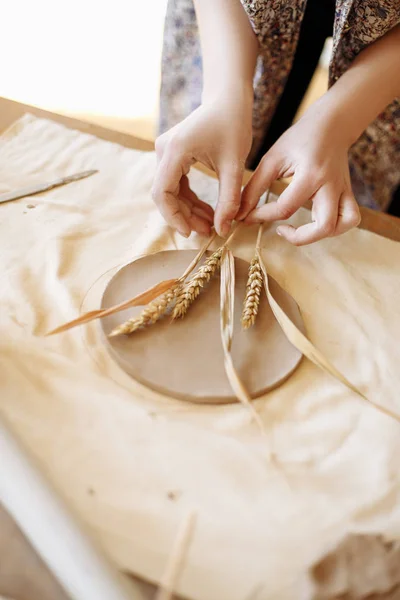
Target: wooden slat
point(10, 111)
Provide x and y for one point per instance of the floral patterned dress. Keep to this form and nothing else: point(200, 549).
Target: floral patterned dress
point(374, 158)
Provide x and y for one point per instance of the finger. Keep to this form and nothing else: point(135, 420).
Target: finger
point(230, 186)
point(325, 210)
point(204, 209)
point(266, 173)
point(199, 225)
point(185, 208)
point(166, 191)
point(196, 222)
point(159, 145)
point(295, 195)
point(196, 217)
point(201, 213)
point(349, 213)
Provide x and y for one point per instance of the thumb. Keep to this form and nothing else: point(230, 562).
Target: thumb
point(262, 179)
point(230, 187)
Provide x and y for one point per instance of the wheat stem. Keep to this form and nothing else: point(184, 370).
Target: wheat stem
point(198, 257)
point(235, 229)
point(259, 236)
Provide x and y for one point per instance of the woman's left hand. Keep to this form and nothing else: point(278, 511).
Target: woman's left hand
point(314, 151)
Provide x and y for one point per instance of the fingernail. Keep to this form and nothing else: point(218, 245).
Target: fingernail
point(278, 231)
point(183, 233)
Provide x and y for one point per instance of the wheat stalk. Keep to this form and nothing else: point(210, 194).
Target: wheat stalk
point(182, 294)
point(300, 341)
point(150, 314)
point(227, 312)
point(192, 288)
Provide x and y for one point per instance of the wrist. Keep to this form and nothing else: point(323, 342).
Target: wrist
point(229, 91)
point(345, 115)
point(338, 118)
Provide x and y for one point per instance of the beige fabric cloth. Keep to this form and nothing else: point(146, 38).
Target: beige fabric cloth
point(133, 463)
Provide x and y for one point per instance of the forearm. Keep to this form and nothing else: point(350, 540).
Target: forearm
point(229, 48)
point(371, 83)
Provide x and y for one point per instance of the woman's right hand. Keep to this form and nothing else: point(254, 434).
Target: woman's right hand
point(219, 135)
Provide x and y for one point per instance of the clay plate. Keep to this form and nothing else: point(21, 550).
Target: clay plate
point(184, 359)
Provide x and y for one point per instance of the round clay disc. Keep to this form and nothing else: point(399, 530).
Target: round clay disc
point(184, 359)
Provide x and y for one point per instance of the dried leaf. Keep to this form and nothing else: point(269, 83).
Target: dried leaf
point(302, 343)
point(140, 299)
point(227, 306)
point(227, 298)
point(198, 257)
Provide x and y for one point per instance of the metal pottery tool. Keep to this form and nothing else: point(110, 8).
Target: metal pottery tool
point(44, 187)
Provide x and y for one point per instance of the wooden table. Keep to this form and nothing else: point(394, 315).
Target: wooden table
point(23, 576)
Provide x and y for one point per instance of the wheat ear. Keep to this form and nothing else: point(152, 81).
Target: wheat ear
point(253, 292)
point(150, 314)
point(253, 288)
point(192, 288)
point(254, 283)
point(155, 309)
